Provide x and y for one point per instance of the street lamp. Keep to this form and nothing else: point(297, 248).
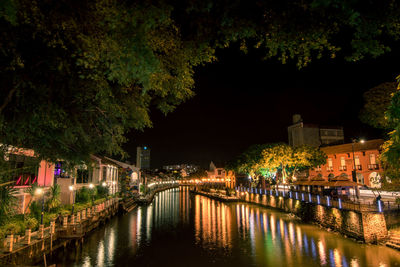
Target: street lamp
point(91, 186)
point(354, 172)
point(38, 192)
point(71, 188)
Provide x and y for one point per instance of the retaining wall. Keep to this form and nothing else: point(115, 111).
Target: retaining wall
point(367, 226)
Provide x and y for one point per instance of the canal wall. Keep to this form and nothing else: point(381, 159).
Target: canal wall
point(367, 226)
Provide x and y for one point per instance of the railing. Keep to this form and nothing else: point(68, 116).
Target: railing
point(358, 167)
point(373, 166)
point(71, 226)
point(328, 201)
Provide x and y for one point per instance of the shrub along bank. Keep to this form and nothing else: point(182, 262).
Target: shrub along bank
point(18, 223)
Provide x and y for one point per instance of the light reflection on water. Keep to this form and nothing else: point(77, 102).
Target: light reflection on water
point(179, 229)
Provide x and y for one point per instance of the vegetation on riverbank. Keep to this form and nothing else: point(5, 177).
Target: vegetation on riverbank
point(10, 222)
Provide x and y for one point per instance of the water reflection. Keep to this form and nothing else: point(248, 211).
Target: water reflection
point(179, 229)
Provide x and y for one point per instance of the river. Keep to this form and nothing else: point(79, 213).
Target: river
point(180, 229)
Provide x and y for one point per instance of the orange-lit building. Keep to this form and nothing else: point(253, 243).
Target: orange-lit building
point(221, 175)
point(340, 162)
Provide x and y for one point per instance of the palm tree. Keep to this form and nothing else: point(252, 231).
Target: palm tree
point(7, 200)
point(31, 191)
point(54, 197)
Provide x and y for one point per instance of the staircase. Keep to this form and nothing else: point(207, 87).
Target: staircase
point(393, 240)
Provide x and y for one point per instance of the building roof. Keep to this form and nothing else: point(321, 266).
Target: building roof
point(121, 164)
point(347, 148)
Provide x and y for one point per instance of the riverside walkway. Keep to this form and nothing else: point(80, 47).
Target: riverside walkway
point(33, 247)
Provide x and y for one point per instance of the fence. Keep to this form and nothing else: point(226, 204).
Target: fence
point(71, 226)
point(336, 202)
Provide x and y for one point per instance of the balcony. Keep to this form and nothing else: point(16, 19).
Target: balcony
point(373, 166)
point(343, 168)
point(329, 169)
point(358, 167)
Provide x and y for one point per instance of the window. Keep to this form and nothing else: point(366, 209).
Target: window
point(372, 162)
point(23, 169)
point(82, 176)
point(372, 159)
point(330, 165)
point(357, 160)
point(342, 164)
point(104, 178)
point(59, 170)
point(342, 161)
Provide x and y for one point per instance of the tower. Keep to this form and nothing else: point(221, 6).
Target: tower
point(143, 157)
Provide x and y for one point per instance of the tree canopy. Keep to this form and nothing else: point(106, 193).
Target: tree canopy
point(376, 103)
point(77, 75)
point(268, 159)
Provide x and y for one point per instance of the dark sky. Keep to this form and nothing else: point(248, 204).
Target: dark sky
point(243, 100)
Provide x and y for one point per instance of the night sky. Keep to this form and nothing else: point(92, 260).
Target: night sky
point(243, 100)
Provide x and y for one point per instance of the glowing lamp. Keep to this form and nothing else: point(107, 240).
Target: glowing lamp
point(38, 191)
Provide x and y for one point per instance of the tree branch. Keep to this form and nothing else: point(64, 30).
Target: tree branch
point(8, 98)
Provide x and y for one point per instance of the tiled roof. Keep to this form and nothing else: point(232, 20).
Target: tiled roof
point(347, 148)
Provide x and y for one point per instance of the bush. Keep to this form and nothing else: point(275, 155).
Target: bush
point(35, 209)
point(398, 200)
point(83, 195)
point(100, 200)
point(102, 191)
point(12, 228)
point(2, 233)
point(31, 223)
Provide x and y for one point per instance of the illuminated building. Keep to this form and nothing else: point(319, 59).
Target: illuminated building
point(143, 157)
point(301, 133)
point(340, 162)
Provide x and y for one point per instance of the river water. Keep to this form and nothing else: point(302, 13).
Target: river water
point(180, 229)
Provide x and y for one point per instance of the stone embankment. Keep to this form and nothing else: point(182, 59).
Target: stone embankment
point(354, 220)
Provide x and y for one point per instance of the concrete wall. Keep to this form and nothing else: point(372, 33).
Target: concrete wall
point(367, 226)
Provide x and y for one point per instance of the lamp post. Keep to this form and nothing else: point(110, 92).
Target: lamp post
point(354, 172)
point(71, 188)
point(91, 186)
point(38, 192)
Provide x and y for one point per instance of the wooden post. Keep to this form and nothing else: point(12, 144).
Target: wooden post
point(52, 227)
point(11, 241)
point(73, 219)
point(83, 215)
point(41, 231)
point(65, 222)
point(78, 217)
point(28, 236)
